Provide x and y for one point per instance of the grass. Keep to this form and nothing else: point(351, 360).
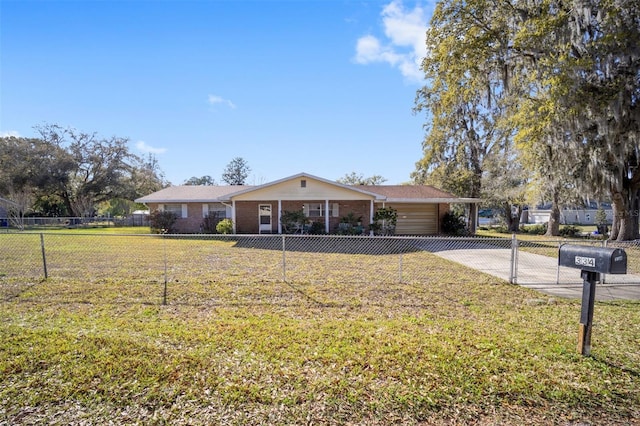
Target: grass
point(90, 230)
point(245, 348)
point(492, 233)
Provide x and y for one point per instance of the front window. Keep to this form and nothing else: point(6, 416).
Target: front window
point(174, 208)
point(314, 210)
point(217, 210)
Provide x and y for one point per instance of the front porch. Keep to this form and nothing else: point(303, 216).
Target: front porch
point(264, 217)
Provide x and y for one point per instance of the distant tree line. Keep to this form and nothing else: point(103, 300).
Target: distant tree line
point(235, 173)
point(66, 172)
point(354, 178)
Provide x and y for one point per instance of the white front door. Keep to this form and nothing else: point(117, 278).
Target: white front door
point(264, 218)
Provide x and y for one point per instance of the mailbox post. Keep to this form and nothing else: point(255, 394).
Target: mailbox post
point(592, 261)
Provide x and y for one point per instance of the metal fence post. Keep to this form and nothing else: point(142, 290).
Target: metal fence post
point(164, 293)
point(284, 260)
point(516, 261)
point(603, 276)
point(44, 256)
point(513, 272)
point(400, 269)
point(558, 267)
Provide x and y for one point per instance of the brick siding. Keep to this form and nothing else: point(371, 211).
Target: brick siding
point(247, 214)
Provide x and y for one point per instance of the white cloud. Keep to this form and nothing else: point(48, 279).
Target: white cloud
point(370, 50)
point(9, 133)
point(404, 45)
point(142, 146)
point(214, 100)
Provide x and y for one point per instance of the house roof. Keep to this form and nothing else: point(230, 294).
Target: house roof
point(4, 200)
point(385, 193)
point(356, 188)
point(191, 193)
point(407, 191)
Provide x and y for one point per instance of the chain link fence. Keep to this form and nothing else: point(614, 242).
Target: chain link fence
point(45, 224)
point(171, 260)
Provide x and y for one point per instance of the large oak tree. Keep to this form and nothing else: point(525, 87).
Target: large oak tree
point(565, 75)
point(75, 169)
point(466, 72)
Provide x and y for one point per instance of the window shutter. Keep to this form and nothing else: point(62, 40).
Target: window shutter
point(334, 210)
point(205, 210)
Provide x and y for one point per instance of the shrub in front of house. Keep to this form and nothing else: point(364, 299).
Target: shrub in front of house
point(317, 228)
point(384, 221)
point(162, 222)
point(209, 223)
point(225, 226)
point(293, 221)
point(453, 224)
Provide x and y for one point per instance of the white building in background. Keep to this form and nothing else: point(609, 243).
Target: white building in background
point(567, 216)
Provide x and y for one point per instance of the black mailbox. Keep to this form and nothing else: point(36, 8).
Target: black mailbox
point(594, 259)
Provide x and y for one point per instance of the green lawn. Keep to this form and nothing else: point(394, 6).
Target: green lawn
point(522, 236)
point(460, 349)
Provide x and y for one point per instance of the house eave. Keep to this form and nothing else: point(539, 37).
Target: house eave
point(4, 200)
point(230, 196)
point(433, 200)
point(180, 200)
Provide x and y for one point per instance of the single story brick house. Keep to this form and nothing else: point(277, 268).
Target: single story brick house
point(257, 209)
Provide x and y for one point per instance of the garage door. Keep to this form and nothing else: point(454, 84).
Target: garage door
point(416, 219)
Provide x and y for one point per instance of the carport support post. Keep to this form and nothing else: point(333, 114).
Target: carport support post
point(586, 311)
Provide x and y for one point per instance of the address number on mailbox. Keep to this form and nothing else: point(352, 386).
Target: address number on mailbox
point(604, 260)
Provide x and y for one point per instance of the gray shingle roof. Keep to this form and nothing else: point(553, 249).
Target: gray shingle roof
point(207, 194)
point(421, 192)
point(191, 193)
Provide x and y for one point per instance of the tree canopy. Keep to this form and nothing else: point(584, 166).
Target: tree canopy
point(69, 172)
point(354, 178)
point(557, 82)
point(203, 180)
point(236, 172)
point(467, 45)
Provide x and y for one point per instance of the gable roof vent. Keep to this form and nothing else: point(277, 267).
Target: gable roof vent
point(303, 183)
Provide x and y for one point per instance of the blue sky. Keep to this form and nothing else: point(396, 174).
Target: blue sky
point(324, 87)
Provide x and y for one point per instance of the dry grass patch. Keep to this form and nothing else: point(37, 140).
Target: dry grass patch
point(276, 353)
point(435, 344)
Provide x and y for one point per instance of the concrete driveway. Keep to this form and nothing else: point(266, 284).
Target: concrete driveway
point(537, 272)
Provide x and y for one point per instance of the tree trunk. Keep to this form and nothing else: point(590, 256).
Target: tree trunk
point(553, 227)
point(515, 223)
point(622, 228)
point(476, 192)
point(66, 200)
point(513, 220)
